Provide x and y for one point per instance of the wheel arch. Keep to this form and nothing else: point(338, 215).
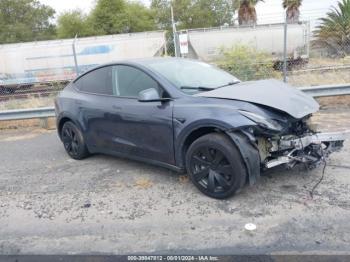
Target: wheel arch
point(188, 136)
point(249, 152)
point(62, 119)
point(60, 124)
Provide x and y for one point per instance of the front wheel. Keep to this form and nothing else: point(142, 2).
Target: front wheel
point(73, 141)
point(215, 166)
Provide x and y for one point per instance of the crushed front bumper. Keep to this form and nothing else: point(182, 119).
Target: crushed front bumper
point(308, 149)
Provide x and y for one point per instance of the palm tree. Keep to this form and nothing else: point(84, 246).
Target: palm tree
point(334, 31)
point(293, 12)
point(247, 12)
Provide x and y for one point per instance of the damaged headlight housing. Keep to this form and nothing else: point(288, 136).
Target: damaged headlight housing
point(262, 121)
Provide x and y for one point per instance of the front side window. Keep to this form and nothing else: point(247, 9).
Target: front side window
point(129, 81)
point(98, 81)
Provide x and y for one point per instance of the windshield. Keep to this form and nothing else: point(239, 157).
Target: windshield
point(192, 76)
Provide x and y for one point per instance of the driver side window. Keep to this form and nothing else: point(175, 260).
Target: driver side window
point(129, 81)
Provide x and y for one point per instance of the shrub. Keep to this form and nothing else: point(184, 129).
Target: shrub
point(334, 31)
point(247, 63)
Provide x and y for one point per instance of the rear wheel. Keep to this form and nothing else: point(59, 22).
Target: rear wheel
point(7, 90)
point(73, 141)
point(215, 166)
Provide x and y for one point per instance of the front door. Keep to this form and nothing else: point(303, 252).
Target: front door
point(142, 129)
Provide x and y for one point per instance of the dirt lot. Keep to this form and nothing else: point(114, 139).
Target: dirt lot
point(50, 204)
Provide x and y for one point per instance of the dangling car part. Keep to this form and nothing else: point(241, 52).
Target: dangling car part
point(309, 149)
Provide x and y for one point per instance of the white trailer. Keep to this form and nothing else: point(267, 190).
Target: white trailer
point(206, 44)
point(44, 61)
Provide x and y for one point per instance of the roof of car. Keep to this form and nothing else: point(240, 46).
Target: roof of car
point(137, 61)
point(146, 61)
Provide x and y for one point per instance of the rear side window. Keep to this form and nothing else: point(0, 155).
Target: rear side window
point(98, 81)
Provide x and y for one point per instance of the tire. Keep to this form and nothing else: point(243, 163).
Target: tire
point(6, 90)
point(215, 166)
point(73, 141)
point(11, 90)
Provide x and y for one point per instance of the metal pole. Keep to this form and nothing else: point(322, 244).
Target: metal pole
point(165, 45)
point(285, 50)
point(174, 31)
point(308, 35)
point(75, 56)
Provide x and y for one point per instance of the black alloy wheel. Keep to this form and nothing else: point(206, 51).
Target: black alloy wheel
point(215, 166)
point(6, 90)
point(73, 141)
point(211, 169)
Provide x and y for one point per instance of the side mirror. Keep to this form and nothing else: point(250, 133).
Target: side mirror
point(149, 95)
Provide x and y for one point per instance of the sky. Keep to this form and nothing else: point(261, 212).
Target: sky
point(270, 11)
point(62, 5)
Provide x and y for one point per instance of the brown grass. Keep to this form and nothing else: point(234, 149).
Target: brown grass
point(323, 61)
point(316, 78)
point(31, 102)
point(334, 102)
point(49, 123)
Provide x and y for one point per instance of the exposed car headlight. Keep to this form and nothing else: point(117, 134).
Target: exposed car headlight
point(311, 124)
point(262, 121)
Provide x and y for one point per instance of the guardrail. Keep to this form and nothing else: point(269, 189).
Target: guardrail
point(316, 91)
point(323, 91)
point(21, 114)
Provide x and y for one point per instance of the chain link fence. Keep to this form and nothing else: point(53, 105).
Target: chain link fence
point(304, 54)
point(32, 74)
point(249, 53)
point(328, 61)
point(260, 52)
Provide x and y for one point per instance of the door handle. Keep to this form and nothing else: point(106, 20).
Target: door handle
point(117, 108)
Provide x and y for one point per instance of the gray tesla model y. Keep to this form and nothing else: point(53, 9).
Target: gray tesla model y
point(191, 116)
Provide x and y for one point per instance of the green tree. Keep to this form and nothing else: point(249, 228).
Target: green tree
point(25, 20)
point(292, 9)
point(73, 23)
point(194, 13)
point(161, 9)
point(203, 13)
point(120, 16)
point(109, 17)
point(140, 18)
point(334, 31)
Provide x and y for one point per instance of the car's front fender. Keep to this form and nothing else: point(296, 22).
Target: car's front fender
point(184, 128)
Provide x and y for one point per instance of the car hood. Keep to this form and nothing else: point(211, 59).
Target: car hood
point(271, 93)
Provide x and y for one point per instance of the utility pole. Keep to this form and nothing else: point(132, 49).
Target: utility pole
point(285, 49)
point(75, 56)
point(174, 30)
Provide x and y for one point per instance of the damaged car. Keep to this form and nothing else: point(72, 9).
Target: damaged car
point(191, 117)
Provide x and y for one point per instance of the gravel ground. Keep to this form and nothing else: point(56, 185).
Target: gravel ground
point(50, 204)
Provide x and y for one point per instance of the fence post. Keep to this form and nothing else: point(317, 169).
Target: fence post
point(174, 31)
point(308, 39)
point(165, 45)
point(75, 56)
point(285, 50)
